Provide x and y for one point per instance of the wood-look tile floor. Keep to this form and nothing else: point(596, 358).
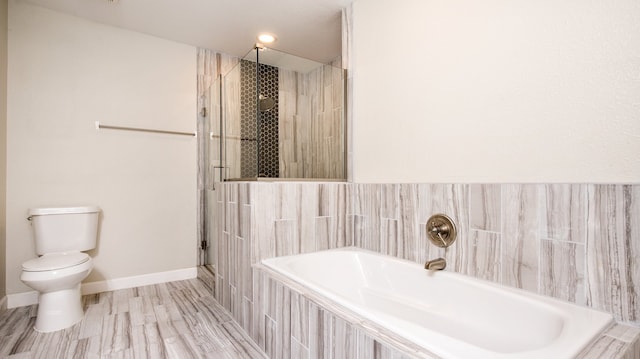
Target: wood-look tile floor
point(169, 320)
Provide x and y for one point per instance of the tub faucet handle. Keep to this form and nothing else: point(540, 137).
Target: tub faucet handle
point(441, 230)
point(438, 228)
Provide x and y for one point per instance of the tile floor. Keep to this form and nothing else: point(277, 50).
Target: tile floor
point(170, 320)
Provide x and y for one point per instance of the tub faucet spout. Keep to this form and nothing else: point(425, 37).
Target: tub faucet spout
point(435, 264)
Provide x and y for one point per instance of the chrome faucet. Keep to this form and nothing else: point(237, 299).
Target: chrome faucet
point(436, 264)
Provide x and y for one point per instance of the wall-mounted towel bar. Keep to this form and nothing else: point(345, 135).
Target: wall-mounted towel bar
point(227, 137)
point(100, 126)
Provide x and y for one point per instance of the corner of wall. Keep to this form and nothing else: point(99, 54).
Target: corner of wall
point(3, 148)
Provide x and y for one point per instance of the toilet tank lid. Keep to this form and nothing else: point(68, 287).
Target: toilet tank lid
point(63, 210)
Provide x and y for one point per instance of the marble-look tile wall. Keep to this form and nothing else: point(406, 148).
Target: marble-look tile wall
point(210, 66)
point(347, 49)
point(298, 326)
point(312, 123)
point(258, 220)
point(617, 342)
point(232, 125)
point(576, 242)
point(302, 324)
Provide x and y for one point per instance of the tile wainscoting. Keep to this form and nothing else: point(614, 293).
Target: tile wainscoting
point(576, 242)
point(258, 220)
point(301, 324)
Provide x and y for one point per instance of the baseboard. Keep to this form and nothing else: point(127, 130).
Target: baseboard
point(3, 303)
point(29, 298)
point(22, 299)
point(139, 281)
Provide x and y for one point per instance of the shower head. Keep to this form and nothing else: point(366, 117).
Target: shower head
point(266, 103)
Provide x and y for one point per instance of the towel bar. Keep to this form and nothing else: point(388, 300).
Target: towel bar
point(108, 127)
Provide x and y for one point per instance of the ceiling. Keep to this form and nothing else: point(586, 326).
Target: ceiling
point(307, 28)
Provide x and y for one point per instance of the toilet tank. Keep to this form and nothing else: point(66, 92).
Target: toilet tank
point(64, 229)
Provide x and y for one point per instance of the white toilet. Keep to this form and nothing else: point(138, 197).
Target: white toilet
point(60, 234)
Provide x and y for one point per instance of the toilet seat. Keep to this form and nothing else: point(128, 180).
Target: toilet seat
point(55, 261)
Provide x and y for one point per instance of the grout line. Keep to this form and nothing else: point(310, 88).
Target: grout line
point(540, 189)
point(485, 231)
point(502, 240)
point(587, 281)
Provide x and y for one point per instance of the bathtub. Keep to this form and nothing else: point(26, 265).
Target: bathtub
point(448, 314)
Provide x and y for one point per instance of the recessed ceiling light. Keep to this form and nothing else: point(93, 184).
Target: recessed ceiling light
point(266, 38)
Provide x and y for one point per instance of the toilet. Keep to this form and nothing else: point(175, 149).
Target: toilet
point(60, 235)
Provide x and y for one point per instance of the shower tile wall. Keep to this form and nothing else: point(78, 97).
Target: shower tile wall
point(576, 242)
point(268, 154)
point(227, 67)
point(248, 120)
point(262, 161)
point(311, 123)
point(210, 66)
point(301, 137)
point(232, 107)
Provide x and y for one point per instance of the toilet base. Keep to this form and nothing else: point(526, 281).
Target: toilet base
point(59, 310)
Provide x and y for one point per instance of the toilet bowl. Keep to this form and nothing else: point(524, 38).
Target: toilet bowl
point(61, 234)
point(57, 278)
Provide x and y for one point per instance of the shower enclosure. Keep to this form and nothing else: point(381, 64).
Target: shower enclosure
point(282, 117)
point(271, 116)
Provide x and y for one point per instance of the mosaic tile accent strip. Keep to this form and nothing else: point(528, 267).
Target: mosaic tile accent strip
point(259, 129)
point(268, 160)
point(248, 120)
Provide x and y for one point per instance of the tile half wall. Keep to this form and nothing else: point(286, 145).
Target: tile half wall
point(575, 242)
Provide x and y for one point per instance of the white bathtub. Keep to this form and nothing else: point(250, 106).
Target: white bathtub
point(450, 315)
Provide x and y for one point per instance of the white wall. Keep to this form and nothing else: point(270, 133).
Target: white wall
point(496, 91)
point(66, 73)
